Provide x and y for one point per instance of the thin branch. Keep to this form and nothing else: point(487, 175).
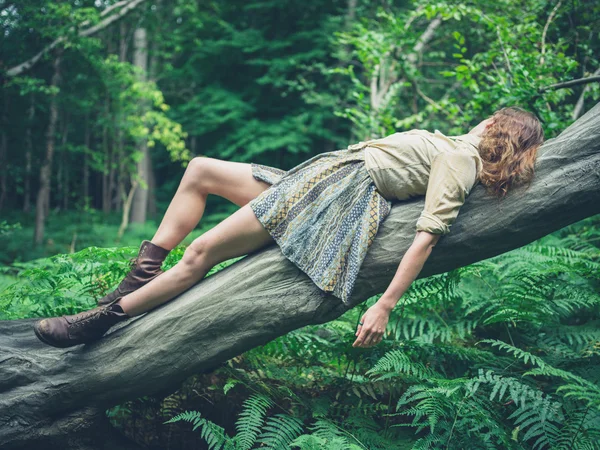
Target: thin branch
point(571, 83)
point(416, 14)
point(548, 22)
point(504, 50)
point(424, 39)
point(424, 97)
point(24, 66)
point(378, 97)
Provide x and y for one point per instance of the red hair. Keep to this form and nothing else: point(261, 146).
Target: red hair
point(508, 149)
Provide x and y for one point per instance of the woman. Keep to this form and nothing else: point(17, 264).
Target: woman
point(323, 214)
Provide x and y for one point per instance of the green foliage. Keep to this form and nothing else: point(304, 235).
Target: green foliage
point(502, 354)
point(487, 356)
point(69, 283)
point(482, 56)
point(278, 431)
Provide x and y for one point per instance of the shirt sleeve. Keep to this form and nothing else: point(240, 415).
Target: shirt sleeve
point(452, 176)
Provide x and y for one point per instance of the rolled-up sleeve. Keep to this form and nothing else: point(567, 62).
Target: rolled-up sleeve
point(453, 175)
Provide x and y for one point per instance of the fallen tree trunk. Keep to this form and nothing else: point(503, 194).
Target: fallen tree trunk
point(47, 393)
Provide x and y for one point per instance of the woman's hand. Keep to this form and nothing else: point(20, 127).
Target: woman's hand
point(374, 321)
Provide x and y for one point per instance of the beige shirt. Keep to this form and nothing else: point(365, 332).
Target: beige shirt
point(418, 162)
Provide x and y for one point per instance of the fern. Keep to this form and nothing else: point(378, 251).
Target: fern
point(251, 419)
point(395, 363)
point(214, 435)
point(279, 431)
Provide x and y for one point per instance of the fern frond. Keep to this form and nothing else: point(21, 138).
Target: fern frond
point(214, 435)
point(395, 363)
point(279, 431)
point(251, 420)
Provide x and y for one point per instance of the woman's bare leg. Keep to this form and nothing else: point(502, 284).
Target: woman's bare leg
point(237, 235)
point(203, 176)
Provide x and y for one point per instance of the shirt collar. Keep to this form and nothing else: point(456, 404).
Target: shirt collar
point(468, 138)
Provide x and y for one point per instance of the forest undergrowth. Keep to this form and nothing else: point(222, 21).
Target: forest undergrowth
point(500, 354)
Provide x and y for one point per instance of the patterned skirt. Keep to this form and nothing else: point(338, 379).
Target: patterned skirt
point(324, 215)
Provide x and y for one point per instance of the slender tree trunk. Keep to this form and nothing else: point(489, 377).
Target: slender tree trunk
point(139, 207)
point(43, 197)
point(61, 172)
point(121, 168)
point(86, 167)
point(106, 148)
point(106, 153)
point(127, 202)
point(28, 154)
point(152, 73)
point(112, 176)
point(152, 211)
point(3, 150)
point(65, 163)
point(193, 141)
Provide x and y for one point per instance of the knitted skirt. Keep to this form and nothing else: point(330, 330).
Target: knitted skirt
point(324, 215)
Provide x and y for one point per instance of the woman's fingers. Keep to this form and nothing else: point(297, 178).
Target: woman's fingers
point(368, 338)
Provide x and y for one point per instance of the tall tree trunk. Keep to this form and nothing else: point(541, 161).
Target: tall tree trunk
point(106, 153)
point(3, 149)
point(86, 165)
point(65, 163)
point(28, 154)
point(112, 175)
point(47, 393)
point(152, 73)
point(43, 197)
point(152, 210)
point(106, 147)
point(122, 175)
point(139, 207)
point(62, 161)
point(127, 201)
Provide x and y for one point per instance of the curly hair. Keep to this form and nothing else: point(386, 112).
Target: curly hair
point(508, 149)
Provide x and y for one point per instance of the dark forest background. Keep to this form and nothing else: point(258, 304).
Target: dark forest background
point(102, 104)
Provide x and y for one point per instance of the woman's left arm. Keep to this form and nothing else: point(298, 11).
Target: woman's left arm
point(452, 176)
point(376, 317)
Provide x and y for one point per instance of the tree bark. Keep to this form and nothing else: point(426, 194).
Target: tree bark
point(139, 208)
point(43, 198)
point(264, 296)
point(106, 194)
point(3, 150)
point(28, 155)
point(86, 165)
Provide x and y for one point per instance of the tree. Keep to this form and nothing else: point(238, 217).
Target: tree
point(140, 196)
point(49, 395)
point(43, 197)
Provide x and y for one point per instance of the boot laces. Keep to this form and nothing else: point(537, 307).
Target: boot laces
point(86, 316)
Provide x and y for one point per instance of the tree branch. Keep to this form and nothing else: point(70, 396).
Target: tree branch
point(548, 22)
point(377, 96)
point(572, 83)
point(128, 6)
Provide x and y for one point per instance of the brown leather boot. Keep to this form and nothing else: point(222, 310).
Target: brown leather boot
point(146, 267)
point(81, 328)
